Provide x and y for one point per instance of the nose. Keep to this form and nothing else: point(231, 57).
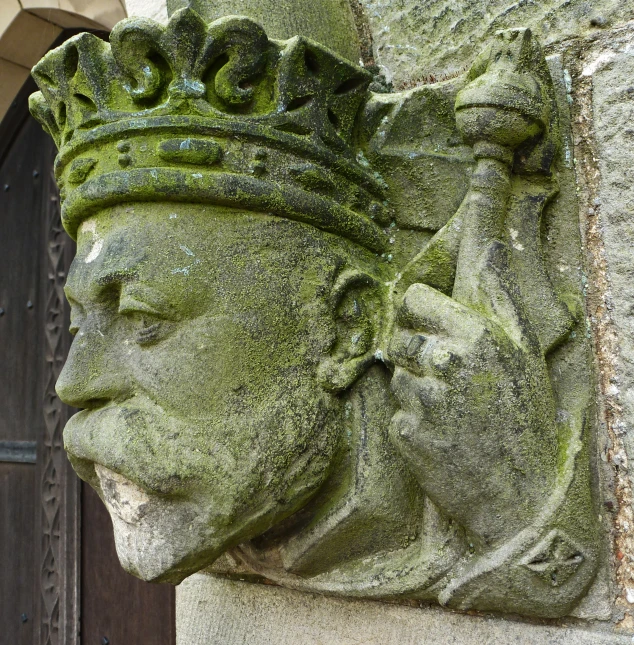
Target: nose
point(93, 374)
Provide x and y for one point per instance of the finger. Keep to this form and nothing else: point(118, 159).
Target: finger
point(434, 313)
point(427, 355)
point(421, 395)
point(409, 348)
point(489, 285)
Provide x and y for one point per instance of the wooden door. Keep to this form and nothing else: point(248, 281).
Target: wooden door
point(60, 579)
point(30, 456)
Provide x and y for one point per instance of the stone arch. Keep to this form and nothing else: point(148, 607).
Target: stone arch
point(29, 27)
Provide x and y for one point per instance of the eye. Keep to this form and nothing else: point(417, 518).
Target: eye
point(148, 334)
point(150, 321)
point(130, 305)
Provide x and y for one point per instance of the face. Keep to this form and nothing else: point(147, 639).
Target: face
point(198, 334)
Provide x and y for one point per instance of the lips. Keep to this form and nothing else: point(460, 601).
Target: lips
point(130, 443)
point(90, 437)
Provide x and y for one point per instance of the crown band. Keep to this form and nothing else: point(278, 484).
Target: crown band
point(259, 132)
point(212, 113)
point(248, 166)
point(225, 189)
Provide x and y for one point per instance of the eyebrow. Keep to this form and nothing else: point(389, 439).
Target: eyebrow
point(122, 276)
point(118, 276)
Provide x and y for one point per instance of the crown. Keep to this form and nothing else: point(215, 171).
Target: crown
point(216, 113)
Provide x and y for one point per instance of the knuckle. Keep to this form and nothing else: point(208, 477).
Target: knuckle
point(410, 349)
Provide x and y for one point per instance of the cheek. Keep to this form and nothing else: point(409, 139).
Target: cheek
point(219, 365)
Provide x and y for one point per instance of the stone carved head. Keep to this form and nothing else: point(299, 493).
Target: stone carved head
point(273, 363)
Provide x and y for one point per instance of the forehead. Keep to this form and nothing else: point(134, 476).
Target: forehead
point(125, 244)
point(199, 248)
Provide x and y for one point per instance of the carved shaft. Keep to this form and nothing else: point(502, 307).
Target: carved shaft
point(484, 212)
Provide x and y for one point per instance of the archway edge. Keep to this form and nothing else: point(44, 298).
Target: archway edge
point(29, 27)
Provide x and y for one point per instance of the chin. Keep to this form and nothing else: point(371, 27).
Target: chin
point(145, 557)
point(157, 539)
point(170, 558)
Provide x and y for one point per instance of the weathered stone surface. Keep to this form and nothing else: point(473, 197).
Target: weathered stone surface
point(221, 612)
point(427, 165)
point(148, 8)
point(612, 73)
point(280, 357)
point(329, 22)
point(609, 66)
point(415, 40)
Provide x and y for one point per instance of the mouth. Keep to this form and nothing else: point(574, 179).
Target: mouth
point(122, 497)
point(98, 442)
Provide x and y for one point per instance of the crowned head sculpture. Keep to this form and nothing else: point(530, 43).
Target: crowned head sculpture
point(271, 364)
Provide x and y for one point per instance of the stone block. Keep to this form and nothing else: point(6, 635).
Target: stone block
point(8, 13)
point(611, 69)
point(12, 77)
point(70, 14)
point(213, 611)
point(26, 38)
point(148, 8)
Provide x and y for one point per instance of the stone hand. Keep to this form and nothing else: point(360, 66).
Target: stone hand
point(476, 419)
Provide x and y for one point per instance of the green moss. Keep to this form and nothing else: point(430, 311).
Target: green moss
point(357, 375)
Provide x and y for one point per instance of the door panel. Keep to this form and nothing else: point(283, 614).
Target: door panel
point(115, 605)
point(22, 297)
point(57, 551)
point(23, 372)
point(18, 547)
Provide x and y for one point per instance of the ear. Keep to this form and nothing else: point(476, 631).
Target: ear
point(357, 306)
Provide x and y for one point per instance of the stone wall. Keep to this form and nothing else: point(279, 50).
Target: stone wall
point(224, 612)
point(418, 40)
point(602, 92)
